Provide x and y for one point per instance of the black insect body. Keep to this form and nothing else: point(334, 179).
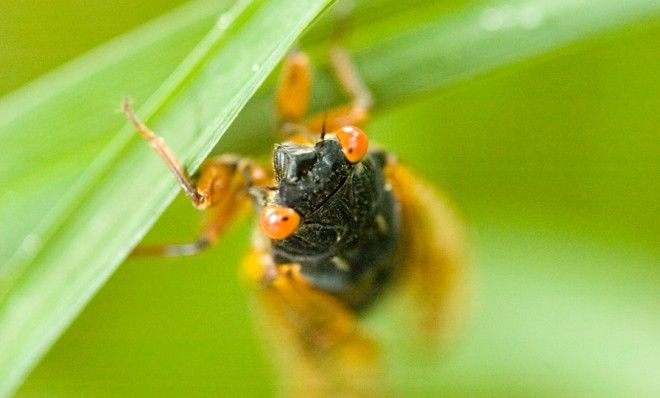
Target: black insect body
point(346, 242)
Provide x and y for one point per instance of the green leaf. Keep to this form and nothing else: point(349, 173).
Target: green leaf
point(405, 52)
point(78, 192)
point(88, 198)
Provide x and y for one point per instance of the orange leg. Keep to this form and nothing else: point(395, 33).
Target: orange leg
point(356, 112)
point(158, 145)
point(223, 184)
point(292, 98)
point(325, 352)
point(293, 94)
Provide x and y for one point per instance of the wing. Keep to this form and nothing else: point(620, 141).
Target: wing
point(318, 346)
point(432, 255)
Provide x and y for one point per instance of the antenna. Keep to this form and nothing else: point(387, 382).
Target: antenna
point(325, 119)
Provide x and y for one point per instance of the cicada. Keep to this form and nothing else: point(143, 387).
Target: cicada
point(341, 223)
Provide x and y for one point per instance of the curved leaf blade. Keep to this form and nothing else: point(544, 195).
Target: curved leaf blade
point(447, 46)
point(456, 45)
point(86, 239)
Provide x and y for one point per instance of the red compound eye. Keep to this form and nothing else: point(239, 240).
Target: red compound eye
point(278, 222)
point(354, 143)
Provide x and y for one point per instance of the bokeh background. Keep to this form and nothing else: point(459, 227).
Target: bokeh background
point(552, 163)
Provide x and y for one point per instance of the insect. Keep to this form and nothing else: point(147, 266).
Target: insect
point(339, 222)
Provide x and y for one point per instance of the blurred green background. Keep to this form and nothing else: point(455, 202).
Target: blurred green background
point(553, 164)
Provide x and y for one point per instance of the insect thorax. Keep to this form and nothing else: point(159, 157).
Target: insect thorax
point(346, 243)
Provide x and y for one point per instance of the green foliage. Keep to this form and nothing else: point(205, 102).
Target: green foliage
point(63, 248)
point(87, 188)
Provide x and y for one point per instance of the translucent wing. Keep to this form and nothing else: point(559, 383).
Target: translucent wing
point(318, 346)
point(432, 255)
